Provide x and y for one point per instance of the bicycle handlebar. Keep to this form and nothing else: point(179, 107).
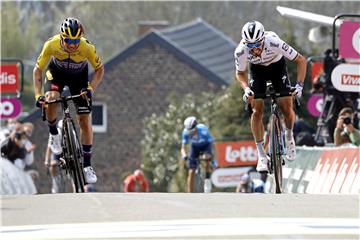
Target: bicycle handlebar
point(274, 95)
point(61, 99)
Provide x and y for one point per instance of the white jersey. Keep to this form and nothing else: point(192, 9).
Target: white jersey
point(274, 49)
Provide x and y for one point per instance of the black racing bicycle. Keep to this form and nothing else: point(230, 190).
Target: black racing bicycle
point(199, 179)
point(71, 157)
point(276, 134)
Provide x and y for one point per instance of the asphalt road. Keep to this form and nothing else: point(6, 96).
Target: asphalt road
point(180, 216)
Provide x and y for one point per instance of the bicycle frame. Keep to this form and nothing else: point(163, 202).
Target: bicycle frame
point(277, 141)
point(72, 152)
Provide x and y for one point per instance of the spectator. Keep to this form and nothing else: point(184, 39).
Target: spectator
point(52, 162)
point(249, 185)
point(136, 182)
point(27, 130)
point(11, 125)
point(345, 132)
point(12, 148)
point(303, 133)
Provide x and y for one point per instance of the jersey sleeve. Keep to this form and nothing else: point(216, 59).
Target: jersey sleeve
point(283, 48)
point(240, 58)
point(93, 58)
point(44, 56)
point(184, 138)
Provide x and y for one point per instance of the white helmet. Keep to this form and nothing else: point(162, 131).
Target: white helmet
point(253, 31)
point(190, 123)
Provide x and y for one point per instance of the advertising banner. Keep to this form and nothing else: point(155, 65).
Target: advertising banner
point(241, 153)
point(10, 108)
point(228, 177)
point(349, 42)
point(346, 77)
point(337, 171)
point(9, 78)
point(315, 104)
point(317, 68)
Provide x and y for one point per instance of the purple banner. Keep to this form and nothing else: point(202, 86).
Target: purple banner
point(10, 108)
point(349, 40)
point(315, 105)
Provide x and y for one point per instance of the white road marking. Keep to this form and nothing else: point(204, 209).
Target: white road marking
point(215, 227)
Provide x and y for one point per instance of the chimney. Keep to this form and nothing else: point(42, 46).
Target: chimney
point(148, 26)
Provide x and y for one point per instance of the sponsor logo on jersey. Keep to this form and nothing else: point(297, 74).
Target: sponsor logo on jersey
point(49, 76)
point(274, 44)
point(54, 87)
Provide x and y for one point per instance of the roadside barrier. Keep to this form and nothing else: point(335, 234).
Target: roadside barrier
point(323, 170)
point(14, 180)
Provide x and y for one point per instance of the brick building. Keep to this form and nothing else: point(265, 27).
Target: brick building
point(189, 58)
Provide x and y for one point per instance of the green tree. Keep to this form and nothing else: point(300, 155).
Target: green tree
point(162, 141)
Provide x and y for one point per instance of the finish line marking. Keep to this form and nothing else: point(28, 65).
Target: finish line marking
point(213, 227)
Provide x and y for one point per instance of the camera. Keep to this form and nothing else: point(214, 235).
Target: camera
point(347, 120)
point(19, 135)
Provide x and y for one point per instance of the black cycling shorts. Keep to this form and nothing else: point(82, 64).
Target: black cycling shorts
point(56, 79)
point(275, 72)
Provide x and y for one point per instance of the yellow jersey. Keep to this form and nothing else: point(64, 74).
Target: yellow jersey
point(73, 62)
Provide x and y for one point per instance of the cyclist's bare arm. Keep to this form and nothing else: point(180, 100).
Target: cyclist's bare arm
point(37, 73)
point(183, 150)
point(242, 78)
point(301, 68)
point(97, 77)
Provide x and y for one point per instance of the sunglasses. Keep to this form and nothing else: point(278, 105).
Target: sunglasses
point(71, 41)
point(253, 45)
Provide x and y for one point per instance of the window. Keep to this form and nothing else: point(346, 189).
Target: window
point(99, 117)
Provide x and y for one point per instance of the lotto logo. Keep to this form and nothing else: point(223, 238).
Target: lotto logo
point(242, 153)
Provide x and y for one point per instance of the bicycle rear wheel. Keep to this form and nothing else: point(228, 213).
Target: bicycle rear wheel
point(276, 156)
point(74, 156)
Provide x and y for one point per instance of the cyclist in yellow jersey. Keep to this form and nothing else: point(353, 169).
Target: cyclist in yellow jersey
point(69, 53)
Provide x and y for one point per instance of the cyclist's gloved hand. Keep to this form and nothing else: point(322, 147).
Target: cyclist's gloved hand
point(185, 158)
point(298, 89)
point(89, 91)
point(39, 101)
point(247, 94)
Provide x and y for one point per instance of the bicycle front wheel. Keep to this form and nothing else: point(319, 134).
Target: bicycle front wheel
point(74, 156)
point(276, 156)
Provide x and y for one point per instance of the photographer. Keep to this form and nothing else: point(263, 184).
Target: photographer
point(345, 132)
point(13, 147)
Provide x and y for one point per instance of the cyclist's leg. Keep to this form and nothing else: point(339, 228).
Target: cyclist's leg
point(282, 83)
point(84, 120)
point(207, 153)
point(193, 163)
point(53, 87)
point(58, 184)
point(259, 74)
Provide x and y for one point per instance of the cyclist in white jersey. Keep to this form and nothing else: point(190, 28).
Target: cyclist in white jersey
point(265, 52)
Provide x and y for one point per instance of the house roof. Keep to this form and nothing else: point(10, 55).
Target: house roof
point(198, 43)
point(206, 45)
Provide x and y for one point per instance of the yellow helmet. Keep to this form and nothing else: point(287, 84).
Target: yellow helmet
point(71, 28)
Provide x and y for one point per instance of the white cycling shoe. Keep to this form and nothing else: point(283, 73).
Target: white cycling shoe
point(207, 186)
point(262, 165)
point(290, 149)
point(55, 144)
point(90, 175)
